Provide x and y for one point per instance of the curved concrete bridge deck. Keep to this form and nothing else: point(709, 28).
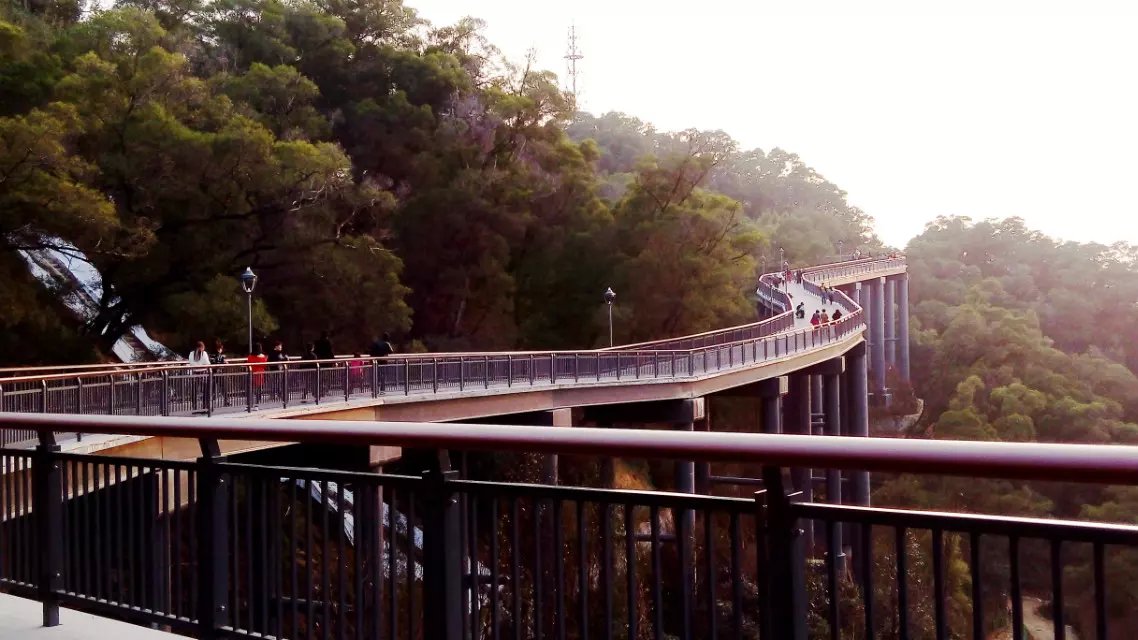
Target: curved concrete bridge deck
point(465, 386)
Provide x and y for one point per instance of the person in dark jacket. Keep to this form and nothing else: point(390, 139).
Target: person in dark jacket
point(323, 347)
point(277, 357)
point(220, 379)
point(381, 348)
point(309, 372)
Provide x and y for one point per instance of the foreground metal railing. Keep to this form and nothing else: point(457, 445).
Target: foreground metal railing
point(214, 548)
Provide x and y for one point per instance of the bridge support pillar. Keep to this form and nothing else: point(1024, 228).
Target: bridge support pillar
point(703, 469)
point(903, 325)
point(799, 420)
point(770, 402)
point(877, 342)
point(550, 464)
point(815, 396)
point(857, 410)
point(890, 323)
point(831, 384)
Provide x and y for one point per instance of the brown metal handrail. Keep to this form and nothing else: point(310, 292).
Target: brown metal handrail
point(1113, 464)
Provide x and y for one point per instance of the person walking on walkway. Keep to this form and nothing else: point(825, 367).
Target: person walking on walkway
point(324, 347)
point(257, 373)
point(309, 372)
point(381, 348)
point(277, 359)
point(198, 361)
point(221, 376)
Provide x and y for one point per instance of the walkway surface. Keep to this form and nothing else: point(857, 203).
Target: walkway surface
point(20, 618)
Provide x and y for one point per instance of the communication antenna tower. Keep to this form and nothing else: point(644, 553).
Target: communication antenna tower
point(571, 59)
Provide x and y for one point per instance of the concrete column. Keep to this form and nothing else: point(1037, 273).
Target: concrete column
point(890, 323)
point(703, 469)
point(770, 401)
point(550, 473)
point(858, 410)
point(799, 422)
point(877, 330)
point(903, 325)
point(832, 389)
point(815, 402)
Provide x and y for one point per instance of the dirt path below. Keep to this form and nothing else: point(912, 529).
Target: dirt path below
point(1039, 626)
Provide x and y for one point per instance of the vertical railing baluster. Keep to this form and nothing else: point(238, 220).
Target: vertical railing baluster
point(442, 558)
point(47, 513)
point(977, 595)
point(1016, 593)
point(212, 542)
point(1057, 617)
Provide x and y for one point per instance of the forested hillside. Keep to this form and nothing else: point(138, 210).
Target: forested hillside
point(378, 173)
point(1018, 337)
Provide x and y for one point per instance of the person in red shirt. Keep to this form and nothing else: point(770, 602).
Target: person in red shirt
point(257, 368)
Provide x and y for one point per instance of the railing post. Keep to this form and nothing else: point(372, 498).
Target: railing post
point(164, 402)
point(111, 394)
point(435, 375)
point(532, 369)
point(347, 380)
point(576, 367)
point(442, 558)
point(691, 363)
point(248, 389)
point(316, 395)
point(78, 395)
point(286, 390)
point(213, 536)
point(47, 511)
point(43, 396)
point(406, 377)
point(598, 366)
point(138, 394)
point(509, 370)
point(655, 364)
point(375, 378)
point(553, 368)
point(618, 365)
point(461, 373)
point(486, 371)
point(785, 590)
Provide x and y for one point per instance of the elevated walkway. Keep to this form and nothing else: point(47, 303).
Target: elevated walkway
point(457, 386)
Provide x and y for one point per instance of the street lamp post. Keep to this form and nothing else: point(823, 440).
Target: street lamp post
point(248, 282)
point(610, 295)
point(840, 245)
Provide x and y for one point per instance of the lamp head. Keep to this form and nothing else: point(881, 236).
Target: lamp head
point(610, 295)
point(248, 280)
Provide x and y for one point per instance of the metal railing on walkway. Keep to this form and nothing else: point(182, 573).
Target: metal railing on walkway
point(215, 548)
point(178, 389)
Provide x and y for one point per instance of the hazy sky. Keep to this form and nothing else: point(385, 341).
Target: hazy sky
point(953, 108)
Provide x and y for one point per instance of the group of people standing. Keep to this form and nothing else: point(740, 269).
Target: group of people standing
point(199, 360)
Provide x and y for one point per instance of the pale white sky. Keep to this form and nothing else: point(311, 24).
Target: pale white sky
point(1026, 109)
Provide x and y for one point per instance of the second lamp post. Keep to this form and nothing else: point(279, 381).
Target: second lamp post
point(610, 295)
point(248, 282)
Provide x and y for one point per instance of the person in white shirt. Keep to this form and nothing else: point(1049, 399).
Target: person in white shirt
point(198, 361)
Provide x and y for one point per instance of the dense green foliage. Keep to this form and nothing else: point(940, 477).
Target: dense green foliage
point(379, 173)
point(1018, 337)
